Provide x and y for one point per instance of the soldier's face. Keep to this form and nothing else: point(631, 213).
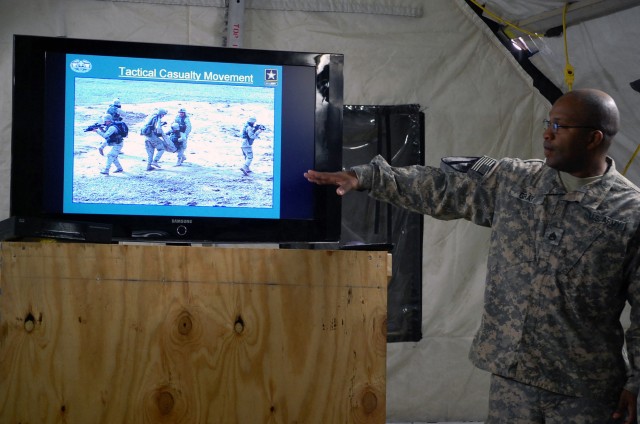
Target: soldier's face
point(566, 149)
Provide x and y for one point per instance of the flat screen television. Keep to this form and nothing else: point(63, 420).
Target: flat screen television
point(62, 86)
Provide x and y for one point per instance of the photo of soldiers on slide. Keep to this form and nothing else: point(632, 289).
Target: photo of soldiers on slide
point(207, 137)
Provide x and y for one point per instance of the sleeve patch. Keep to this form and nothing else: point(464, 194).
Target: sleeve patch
point(483, 166)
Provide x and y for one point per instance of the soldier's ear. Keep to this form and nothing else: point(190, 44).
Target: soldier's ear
point(596, 138)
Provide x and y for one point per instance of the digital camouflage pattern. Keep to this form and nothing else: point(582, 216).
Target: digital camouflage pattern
point(560, 268)
point(517, 403)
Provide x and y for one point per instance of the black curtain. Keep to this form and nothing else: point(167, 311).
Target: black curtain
point(397, 134)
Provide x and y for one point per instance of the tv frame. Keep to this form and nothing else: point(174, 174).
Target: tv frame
point(38, 134)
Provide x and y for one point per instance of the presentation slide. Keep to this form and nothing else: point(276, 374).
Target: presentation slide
point(210, 167)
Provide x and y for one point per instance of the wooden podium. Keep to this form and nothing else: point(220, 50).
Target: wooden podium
point(95, 333)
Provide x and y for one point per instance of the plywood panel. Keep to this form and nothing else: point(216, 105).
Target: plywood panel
point(175, 334)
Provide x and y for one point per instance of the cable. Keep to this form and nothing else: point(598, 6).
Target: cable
point(633, 156)
point(504, 21)
point(569, 73)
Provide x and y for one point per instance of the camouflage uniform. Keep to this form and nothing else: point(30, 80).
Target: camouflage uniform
point(114, 140)
point(180, 141)
point(249, 134)
point(153, 141)
point(185, 128)
point(517, 403)
point(560, 268)
point(114, 110)
point(184, 121)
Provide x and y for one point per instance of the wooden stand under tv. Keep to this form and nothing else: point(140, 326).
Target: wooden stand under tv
point(106, 333)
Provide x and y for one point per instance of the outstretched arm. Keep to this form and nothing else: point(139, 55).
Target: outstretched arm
point(345, 180)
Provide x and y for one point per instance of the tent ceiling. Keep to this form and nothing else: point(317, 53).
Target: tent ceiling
point(539, 16)
point(576, 13)
point(599, 47)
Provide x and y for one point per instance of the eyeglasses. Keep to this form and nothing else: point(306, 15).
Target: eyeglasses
point(554, 125)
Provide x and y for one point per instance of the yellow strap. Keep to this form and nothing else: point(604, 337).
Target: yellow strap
point(633, 156)
point(569, 73)
point(508, 24)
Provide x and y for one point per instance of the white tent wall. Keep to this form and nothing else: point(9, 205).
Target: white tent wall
point(476, 99)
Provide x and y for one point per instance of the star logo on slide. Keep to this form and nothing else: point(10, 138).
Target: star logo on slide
point(271, 77)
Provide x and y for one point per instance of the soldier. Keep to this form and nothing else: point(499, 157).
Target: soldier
point(114, 110)
point(179, 141)
point(112, 138)
point(250, 132)
point(153, 138)
point(184, 124)
point(563, 260)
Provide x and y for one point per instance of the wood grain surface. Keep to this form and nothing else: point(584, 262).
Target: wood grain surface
point(93, 333)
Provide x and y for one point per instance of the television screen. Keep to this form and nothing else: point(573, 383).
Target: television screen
point(214, 145)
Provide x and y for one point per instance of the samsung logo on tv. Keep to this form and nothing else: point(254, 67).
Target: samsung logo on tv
point(182, 221)
point(82, 66)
